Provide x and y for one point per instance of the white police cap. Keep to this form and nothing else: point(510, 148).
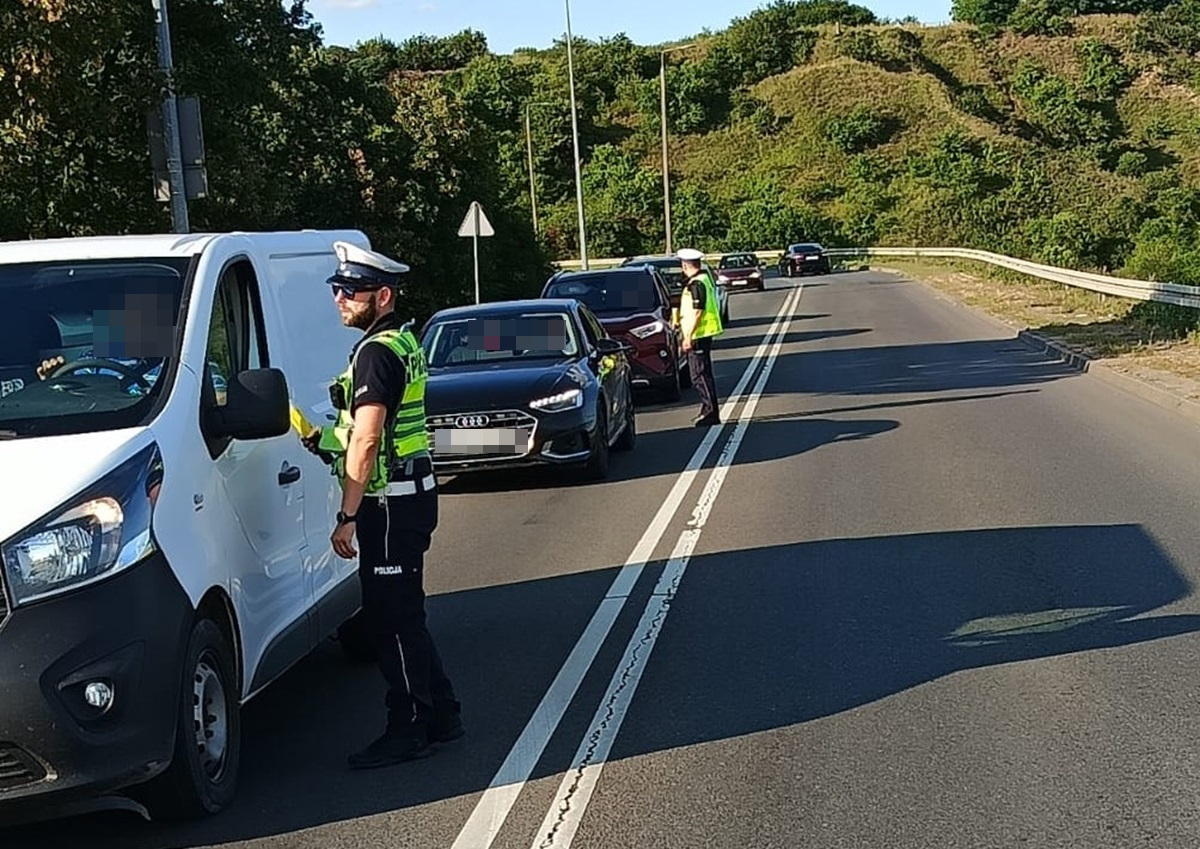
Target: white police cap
point(365, 269)
point(690, 255)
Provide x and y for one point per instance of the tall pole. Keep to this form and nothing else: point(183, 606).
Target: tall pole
point(170, 120)
point(532, 188)
point(575, 133)
point(662, 74)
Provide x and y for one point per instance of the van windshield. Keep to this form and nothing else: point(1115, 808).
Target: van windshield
point(84, 344)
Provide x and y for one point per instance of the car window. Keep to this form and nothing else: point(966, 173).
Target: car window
point(519, 336)
point(608, 292)
point(592, 327)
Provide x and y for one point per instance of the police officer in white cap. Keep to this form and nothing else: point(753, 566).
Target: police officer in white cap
point(700, 316)
point(379, 452)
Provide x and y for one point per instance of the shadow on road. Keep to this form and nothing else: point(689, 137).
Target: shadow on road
point(802, 631)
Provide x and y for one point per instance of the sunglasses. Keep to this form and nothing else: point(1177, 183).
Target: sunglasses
point(349, 291)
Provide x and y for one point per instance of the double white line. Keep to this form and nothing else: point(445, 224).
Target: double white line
point(562, 821)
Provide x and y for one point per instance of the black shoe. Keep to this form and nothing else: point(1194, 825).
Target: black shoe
point(391, 749)
point(446, 728)
point(705, 421)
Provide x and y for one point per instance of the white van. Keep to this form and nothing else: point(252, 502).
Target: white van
point(164, 535)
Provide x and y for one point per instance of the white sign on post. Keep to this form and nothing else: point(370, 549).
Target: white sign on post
point(474, 225)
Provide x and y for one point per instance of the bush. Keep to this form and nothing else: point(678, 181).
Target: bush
point(1132, 163)
point(1042, 17)
point(858, 130)
point(1104, 74)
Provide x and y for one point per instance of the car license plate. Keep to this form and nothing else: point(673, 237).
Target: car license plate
point(474, 441)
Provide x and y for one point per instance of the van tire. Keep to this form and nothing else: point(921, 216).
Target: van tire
point(192, 785)
point(355, 640)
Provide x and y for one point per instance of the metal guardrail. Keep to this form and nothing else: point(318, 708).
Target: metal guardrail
point(1121, 287)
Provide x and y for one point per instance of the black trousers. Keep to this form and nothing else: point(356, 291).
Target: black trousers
point(700, 364)
point(393, 535)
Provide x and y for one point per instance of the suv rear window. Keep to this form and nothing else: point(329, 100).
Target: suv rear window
point(608, 292)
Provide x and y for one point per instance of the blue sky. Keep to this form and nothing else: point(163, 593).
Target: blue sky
point(536, 23)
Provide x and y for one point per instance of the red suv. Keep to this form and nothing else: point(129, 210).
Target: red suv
point(634, 306)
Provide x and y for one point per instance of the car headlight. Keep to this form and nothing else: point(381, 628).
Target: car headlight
point(101, 532)
point(572, 399)
point(723, 278)
point(647, 330)
point(756, 274)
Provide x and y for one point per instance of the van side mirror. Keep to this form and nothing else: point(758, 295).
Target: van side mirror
point(257, 406)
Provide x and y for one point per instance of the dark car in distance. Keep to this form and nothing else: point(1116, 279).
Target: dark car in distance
point(741, 271)
point(634, 306)
point(803, 258)
point(526, 383)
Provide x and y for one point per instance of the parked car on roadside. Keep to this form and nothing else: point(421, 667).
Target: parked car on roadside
point(634, 306)
point(741, 271)
point(804, 258)
point(526, 383)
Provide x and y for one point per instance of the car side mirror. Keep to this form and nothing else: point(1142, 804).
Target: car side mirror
point(605, 347)
point(256, 406)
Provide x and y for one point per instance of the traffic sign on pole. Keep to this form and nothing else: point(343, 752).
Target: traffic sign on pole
point(475, 224)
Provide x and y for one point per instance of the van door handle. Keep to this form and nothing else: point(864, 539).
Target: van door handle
point(289, 475)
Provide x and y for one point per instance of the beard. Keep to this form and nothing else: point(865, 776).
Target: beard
point(364, 319)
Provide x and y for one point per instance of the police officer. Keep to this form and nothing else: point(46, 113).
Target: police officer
point(700, 316)
point(380, 453)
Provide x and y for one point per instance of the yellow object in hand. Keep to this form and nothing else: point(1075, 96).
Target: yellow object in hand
point(302, 425)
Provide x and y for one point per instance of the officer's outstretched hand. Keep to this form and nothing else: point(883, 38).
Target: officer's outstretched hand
point(312, 443)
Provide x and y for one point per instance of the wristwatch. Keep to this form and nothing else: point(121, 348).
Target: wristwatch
point(344, 519)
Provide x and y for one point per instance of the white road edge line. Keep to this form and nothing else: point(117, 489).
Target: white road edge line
point(578, 784)
point(494, 805)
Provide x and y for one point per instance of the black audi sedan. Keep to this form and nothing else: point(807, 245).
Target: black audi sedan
point(526, 383)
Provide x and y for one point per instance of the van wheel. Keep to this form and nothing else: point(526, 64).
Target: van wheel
point(355, 640)
point(202, 778)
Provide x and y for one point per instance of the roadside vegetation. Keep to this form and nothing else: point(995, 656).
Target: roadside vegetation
point(1023, 128)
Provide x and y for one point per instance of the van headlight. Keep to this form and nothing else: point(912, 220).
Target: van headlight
point(572, 399)
point(102, 531)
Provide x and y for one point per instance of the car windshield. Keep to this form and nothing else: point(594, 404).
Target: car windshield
point(739, 261)
point(606, 293)
point(498, 338)
point(83, 345)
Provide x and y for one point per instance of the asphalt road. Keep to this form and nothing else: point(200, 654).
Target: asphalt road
point(933, 591)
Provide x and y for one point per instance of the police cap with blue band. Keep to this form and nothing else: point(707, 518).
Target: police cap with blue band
point(363, 269)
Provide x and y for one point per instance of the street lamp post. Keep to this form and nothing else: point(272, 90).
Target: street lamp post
point(666, 169)
point(529, 149)
point(170, 122)
point(575, 133)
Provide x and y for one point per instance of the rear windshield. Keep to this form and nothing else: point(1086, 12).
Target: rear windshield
point(608, 293)
point(84, 345)
point(805, 249)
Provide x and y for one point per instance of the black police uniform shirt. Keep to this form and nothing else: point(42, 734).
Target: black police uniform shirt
point(698, 291)
point(379, 375)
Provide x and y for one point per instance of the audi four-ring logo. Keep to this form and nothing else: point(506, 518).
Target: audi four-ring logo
point(471, 421)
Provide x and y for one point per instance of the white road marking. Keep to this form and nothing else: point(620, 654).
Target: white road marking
point(575, 792)
point(494, 805)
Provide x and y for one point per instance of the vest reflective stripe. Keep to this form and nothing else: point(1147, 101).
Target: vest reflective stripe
point(404, 434)
point(709, 323)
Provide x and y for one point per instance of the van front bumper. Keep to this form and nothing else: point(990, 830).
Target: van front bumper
point(127, 633)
